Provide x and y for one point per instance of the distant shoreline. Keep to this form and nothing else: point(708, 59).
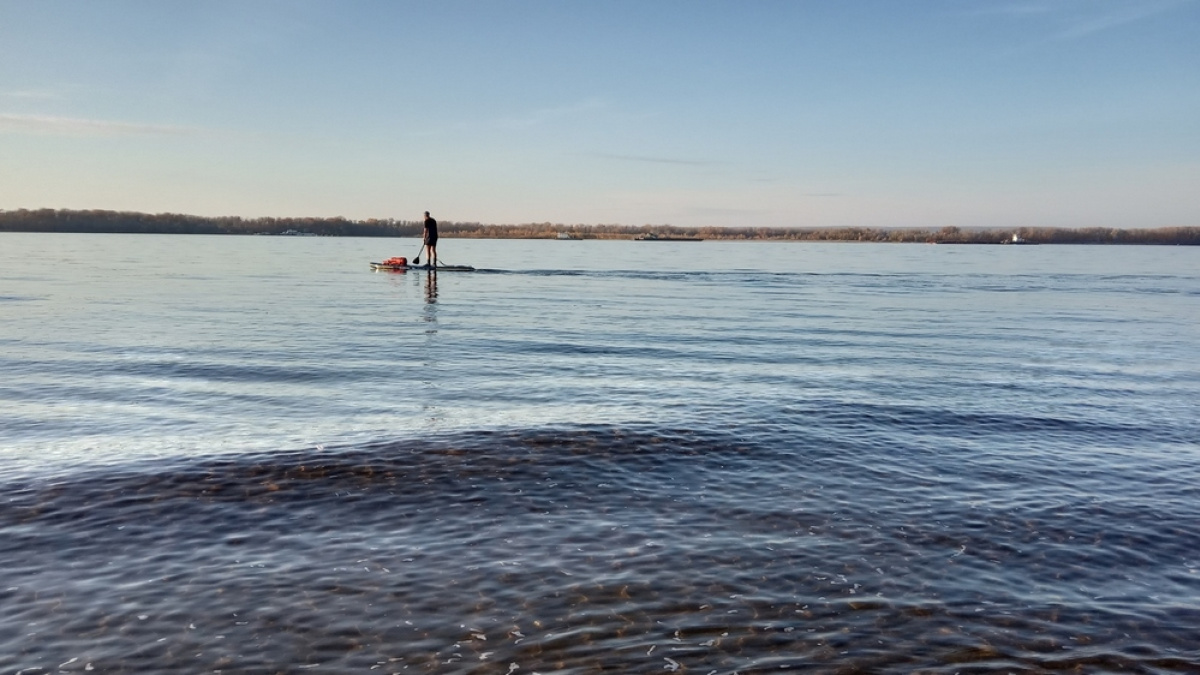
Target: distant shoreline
point(125, 222)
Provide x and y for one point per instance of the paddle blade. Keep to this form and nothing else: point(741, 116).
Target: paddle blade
point(417, 260)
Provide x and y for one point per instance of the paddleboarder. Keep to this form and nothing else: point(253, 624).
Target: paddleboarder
point(431, 237)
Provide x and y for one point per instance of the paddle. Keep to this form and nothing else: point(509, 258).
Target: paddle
point(417, 260)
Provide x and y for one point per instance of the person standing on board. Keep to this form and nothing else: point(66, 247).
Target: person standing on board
point(430, 235)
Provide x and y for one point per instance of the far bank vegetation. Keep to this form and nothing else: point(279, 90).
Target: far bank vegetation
point(99, 221)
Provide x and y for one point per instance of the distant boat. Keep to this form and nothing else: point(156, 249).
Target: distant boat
point(650, 236)
point(566, 236)
point(1016, 239)
point(297, 233)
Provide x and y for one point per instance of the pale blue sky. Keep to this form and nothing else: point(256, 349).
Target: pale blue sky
point(821, 113)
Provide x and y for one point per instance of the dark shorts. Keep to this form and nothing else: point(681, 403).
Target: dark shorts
point(431, 238)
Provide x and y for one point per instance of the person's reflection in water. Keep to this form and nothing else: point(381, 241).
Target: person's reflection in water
point(431, 287)
point(431, 293)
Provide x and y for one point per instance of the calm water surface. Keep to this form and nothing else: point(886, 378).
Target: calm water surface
point(255, 455)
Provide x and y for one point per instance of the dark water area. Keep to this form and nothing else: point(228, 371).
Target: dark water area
point(254, 455)
point(582, 550)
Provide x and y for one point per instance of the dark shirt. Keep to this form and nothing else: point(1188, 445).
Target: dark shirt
point(430, 230)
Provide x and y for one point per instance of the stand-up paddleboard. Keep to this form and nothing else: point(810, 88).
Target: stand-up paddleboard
point(421, 268)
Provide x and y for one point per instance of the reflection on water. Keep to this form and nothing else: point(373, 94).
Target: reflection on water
point(431, 287)
point(431, 295)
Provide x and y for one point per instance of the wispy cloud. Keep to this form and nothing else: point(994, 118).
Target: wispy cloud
point(541, 116)
point(1112, 16)
point(31, 94)
point(518, 122)
point(1011, 10)
point(75, 126)
point(1077, 19)
point(657, 160)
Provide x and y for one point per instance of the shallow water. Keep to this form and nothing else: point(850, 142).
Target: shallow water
point(253, 454)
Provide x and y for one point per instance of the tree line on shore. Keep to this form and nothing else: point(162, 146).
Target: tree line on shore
point(99, 221)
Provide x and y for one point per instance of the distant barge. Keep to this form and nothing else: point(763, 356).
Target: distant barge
point(654, 237)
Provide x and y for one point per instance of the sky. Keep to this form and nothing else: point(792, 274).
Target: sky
point(693, 113)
